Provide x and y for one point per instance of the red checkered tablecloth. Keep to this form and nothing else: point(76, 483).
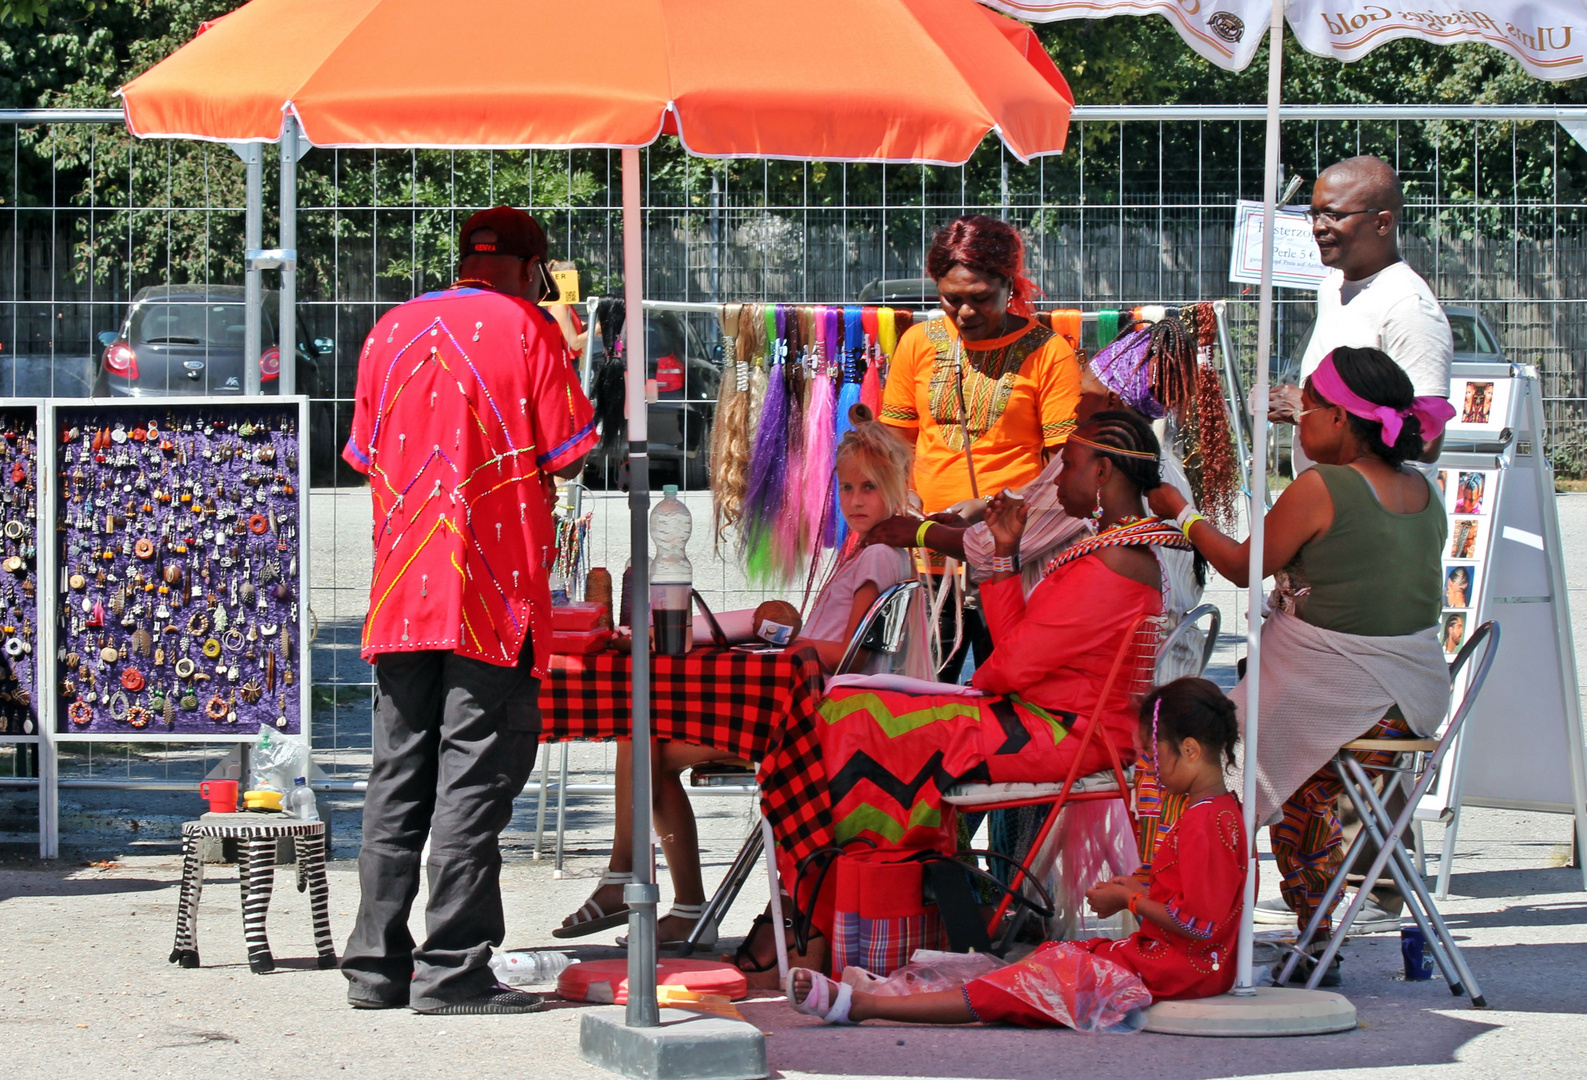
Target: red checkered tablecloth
point(760, 706)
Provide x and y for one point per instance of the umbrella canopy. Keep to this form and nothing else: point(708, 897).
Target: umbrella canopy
point(838, 80)
point(1547, 37)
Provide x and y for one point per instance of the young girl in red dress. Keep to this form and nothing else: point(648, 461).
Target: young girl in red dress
point(1189, 908)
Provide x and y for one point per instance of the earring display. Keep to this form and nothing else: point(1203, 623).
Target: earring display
point(18, 571)
point(179, 531)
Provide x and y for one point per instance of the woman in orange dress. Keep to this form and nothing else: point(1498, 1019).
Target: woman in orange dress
point(984, 392)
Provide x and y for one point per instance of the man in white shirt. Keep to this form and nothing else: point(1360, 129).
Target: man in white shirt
point(1372, 298)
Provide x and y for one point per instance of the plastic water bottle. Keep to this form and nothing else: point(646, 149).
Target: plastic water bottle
point(301, 804)
point(528, 968)
point(671, 574)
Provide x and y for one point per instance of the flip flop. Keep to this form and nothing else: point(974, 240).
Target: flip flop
point(827, 1000)
point(592, 918)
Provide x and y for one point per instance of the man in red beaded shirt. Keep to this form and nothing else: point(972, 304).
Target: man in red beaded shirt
point(467, 406)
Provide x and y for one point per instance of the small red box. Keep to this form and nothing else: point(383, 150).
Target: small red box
point(574, 643)
point(576, 618)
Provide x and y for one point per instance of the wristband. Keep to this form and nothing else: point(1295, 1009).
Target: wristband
point(1185, 525)
point(920, 534)
point(1005, 564)
point(1184, 514)
point(1135, 898)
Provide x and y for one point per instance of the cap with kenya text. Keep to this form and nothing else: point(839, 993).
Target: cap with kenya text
point(516, 234)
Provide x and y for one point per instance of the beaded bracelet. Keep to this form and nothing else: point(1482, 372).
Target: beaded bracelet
point(1135, 898)
point(920, 534)
point(1005, 564)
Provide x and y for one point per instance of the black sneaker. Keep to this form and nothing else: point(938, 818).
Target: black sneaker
point(497, 1001)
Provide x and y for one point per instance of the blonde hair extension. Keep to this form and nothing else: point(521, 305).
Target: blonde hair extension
point(730, 432)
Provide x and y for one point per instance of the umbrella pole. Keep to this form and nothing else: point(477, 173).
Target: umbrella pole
point(1264, 350)
point(642, 895)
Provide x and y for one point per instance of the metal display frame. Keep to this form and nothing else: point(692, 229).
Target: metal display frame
point(43, 488)
point(51, 597)
point(1500, 758)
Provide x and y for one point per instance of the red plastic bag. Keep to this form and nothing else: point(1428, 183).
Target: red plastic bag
point(1072, 987)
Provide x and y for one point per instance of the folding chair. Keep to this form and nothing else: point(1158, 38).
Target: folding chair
point(1427, 756)
point(1129, 678)
point(1209, 644)
point(880, 632)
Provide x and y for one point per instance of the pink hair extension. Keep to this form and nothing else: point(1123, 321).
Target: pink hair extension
point(817, 473)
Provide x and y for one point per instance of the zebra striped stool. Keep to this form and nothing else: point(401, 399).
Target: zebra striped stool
point(256, 872)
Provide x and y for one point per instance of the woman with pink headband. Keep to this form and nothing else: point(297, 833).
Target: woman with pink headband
point(1350, 645)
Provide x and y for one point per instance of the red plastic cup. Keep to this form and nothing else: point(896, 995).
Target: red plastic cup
point(222, 795)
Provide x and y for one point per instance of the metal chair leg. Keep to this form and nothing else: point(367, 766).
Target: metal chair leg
point(1446, 858)
point(717, 907)
point(1324, 909)
point(562, 807)
point(540, 811)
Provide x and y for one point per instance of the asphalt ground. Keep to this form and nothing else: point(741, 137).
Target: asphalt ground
point(85, 986)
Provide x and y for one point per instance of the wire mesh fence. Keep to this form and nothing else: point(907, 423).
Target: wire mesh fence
point(1140, 209)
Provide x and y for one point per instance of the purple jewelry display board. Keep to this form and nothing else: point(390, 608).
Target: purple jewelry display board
point(19, 613)
point(179, 531)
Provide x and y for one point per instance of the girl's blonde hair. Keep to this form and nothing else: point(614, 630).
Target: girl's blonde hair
point(881, 456)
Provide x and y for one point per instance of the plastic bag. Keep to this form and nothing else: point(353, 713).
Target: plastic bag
point(276, 763)
point(1093, 842)
point(1075, 988)
point(928, 971)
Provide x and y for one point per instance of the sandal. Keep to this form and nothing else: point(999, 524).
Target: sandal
point(592, 918)
point(692, 912)
point(744, 956)
point(827, 1000)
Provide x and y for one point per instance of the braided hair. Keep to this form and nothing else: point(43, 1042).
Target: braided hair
point(1191, 708)
point(1125, 431)
point(1128, 430)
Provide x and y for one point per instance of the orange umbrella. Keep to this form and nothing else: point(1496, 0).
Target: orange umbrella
point(872, 80)
point(858, 80)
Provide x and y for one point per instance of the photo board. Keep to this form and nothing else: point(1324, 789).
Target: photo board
point(1522, 746)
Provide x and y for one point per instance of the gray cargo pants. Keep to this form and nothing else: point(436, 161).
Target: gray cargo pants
point(454, 741)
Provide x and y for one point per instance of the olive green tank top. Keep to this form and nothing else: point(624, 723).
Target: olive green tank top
point(1374, 572)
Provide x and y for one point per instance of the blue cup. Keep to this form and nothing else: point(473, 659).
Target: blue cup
point(1413, 948)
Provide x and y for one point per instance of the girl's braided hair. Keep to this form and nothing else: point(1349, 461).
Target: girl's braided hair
point(1191, 708)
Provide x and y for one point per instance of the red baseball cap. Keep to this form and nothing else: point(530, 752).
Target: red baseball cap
point(517, 234)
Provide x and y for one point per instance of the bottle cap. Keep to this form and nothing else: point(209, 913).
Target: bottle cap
point(299, 782)
point(670, 491)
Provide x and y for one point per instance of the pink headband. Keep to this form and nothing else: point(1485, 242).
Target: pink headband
point(1433, 412)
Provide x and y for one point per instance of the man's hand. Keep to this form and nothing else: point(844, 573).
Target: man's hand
point(896, 531)
point(1283, 404)
point(962, 514)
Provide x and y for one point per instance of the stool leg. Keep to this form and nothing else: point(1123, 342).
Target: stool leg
point(256, 902)
point(185, 951)
point(311, 851)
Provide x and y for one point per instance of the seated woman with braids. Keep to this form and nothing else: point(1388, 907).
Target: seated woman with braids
point(890, 757)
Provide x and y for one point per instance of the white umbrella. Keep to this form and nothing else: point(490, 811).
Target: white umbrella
point(1547, 37)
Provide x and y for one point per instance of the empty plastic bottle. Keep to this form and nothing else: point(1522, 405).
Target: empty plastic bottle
point(301, 804)
point(528, 968)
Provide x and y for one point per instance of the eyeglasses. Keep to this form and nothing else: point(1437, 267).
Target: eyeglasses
point(1334, 217)
point(1308, 412)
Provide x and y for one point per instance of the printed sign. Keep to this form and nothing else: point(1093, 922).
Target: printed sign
point(1482, 406)
point(1295, 259)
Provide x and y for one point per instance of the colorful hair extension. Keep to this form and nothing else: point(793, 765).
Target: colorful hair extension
point(729, 432)
point(817, 479)
point(1219, 473)
point(768, 467)
point(848, 392)
point(788, 541)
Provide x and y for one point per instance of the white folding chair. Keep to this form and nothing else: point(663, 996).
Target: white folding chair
point(1178, 639)
point(1386, 832)
point(880, 632)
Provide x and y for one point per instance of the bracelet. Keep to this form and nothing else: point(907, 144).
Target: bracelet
point(920, 534)
point(1189, 521)
point(1184, 513)
point(1005, 564)
point(1135, 898)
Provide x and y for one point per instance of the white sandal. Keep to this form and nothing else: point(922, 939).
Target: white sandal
point(692, 912)
point(592, 918)
point(827, 1000)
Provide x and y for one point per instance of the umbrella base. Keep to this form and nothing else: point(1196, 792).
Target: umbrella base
point(686, 1046)
point(1270, 1011)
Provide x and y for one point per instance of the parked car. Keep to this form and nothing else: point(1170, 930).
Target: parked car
point(182, 340)
point(1475, 341)
point(687, 373)
point(907, 291)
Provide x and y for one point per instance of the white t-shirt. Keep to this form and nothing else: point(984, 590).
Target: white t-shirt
point(878, 564)
point(1393, 310)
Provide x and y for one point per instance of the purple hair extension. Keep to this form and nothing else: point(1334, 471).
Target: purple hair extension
point(768, 467)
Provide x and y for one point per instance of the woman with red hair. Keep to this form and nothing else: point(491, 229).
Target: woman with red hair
point(985, 392)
